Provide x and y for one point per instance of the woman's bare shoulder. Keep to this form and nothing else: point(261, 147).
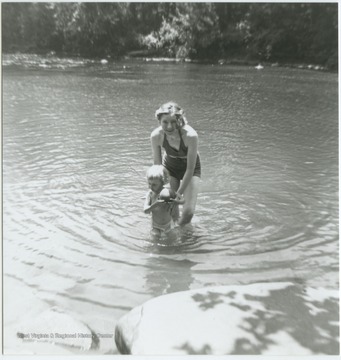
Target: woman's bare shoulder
point(189, 131)
point(157, 136)
point(156, 132)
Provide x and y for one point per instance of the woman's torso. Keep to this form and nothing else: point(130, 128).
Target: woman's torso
point(175, 146)
point(178, 143)
point(176, 149)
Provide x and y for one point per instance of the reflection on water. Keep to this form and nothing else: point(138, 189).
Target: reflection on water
point(75, 151)
point(167, 275)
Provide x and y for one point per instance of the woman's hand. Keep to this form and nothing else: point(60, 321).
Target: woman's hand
point(179, 199)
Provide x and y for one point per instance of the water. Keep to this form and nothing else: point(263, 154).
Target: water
point(75, 151)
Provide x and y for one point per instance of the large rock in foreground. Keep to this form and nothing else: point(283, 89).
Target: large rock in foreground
point(267, 319)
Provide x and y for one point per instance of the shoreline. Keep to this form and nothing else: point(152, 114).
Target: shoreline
point(52, 57)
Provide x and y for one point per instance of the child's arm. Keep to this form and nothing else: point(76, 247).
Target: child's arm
point(148, 207)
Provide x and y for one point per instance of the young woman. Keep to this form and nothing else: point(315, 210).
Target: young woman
point(181, 158)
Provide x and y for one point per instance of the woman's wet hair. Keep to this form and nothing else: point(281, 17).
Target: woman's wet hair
point(158, 172)
point(173, 109)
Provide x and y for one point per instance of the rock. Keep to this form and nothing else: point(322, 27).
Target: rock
point(58, 328)
point(257, 319)
point(32, 326)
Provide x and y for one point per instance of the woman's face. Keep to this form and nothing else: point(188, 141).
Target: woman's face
point(168, 123)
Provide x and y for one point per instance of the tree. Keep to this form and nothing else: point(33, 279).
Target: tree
point(292, 32)
point(27, 26)
point(284, 32)
point(189, 30)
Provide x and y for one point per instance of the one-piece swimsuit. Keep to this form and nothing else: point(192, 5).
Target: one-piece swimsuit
point(175, 161)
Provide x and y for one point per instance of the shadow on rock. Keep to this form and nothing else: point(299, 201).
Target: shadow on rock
point(263, 318)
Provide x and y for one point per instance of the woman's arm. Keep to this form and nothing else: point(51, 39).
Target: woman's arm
point(156, 146)
point(192, 144)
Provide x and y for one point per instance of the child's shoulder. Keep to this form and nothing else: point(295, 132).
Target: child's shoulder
point(149, 193)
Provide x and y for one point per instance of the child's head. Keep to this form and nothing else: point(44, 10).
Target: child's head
point(173, 109)
point(157, 177)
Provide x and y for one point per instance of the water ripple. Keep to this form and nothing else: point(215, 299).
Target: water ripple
point(74, 164)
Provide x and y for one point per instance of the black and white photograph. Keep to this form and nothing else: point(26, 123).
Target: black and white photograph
point(170, 178)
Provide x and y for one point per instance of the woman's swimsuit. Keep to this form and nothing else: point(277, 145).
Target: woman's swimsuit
point(175, 161)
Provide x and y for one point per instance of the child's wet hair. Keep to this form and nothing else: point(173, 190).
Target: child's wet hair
point(158, 172)
point(173, 109)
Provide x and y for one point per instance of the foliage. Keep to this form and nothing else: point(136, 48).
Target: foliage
point(293, 32)
point(27, 26)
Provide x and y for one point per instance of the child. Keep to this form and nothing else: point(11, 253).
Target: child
point(163, 217)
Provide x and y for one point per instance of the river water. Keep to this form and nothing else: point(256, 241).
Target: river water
point(75, 151)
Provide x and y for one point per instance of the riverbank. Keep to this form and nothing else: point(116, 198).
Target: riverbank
point(44, 60)
point(258, 64)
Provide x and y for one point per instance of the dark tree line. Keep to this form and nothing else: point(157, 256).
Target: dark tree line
point(284, 32)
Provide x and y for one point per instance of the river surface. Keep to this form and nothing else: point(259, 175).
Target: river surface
point(75, 152)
